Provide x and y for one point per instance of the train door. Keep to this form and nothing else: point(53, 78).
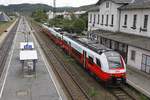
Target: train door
point(84, 59)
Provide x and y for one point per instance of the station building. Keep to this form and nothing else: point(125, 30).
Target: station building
point(123, 25)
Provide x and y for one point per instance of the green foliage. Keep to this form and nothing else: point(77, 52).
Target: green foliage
point(85, 18)
point(75, 25)
point(79, 25)
point(24, 9)
point(40, 15)
point(143, 97)
point(27, 9)
point(92, 92)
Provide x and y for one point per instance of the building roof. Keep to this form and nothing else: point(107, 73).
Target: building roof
point(122, 1)
point(4, 17)
point(115, 1)
point(130, 39)
point(144, 4)
point(94, 9)
point(131, 4)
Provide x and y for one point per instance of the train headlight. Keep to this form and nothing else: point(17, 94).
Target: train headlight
point(124, 75)
point(112, 75)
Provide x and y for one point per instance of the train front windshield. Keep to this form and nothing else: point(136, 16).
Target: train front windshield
point(114, 59)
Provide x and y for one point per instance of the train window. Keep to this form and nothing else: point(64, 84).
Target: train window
point(77, 53)
point(98, 62)
point(70, 43)
point(59, 38)
point(65, 42)
point(91, 60)
point(114, 60)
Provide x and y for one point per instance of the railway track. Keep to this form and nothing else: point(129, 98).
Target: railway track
point(75, 91)
point(121, 94)
point(6, 45)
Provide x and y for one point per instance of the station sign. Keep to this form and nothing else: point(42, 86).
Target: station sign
point(27, 46)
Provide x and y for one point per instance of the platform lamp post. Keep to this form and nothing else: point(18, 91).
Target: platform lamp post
point(24, 31)
point(27, 37)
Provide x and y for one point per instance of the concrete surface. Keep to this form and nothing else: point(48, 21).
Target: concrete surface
point(16, 85)
point(139, 80)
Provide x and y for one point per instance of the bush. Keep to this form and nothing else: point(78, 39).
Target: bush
point(79, 25)
point(40, 15)
point(75, 25)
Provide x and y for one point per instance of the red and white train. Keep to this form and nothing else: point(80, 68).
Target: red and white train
point(106, 64)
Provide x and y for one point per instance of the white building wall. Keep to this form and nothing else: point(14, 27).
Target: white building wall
point(50, 15)
point(92, 25)
point(112, 10)
point(138, 57)
point(140, 21)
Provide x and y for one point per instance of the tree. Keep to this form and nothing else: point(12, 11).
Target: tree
point(75, 25)
point(40, 15)
point(79, 25)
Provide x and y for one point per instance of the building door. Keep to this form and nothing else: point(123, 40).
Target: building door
point(145, 66)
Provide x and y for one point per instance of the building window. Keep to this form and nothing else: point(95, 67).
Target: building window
point(90, 18)
point(106, 20)
point(133, 53)
point(102, 20)
point(113, 45)
point(94, 18)
point(145, 66)
point(98, 19)
point(145, 21)
point(103, 41)
point(134, 21)
point(112, 20)
point(108, 43)
point(107, 4)
point(122, 47)
point(125, 21)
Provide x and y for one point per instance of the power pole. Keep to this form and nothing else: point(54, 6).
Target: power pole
point(54, 8)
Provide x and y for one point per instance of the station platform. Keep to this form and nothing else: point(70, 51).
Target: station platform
point(16, 85)
point(139, 80)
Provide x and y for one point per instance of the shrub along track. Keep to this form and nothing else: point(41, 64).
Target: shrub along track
point(79, 85)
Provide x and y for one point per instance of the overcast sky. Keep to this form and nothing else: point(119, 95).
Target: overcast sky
point(59, 3)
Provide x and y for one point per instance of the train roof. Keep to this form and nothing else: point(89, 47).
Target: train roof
point(92, 45)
